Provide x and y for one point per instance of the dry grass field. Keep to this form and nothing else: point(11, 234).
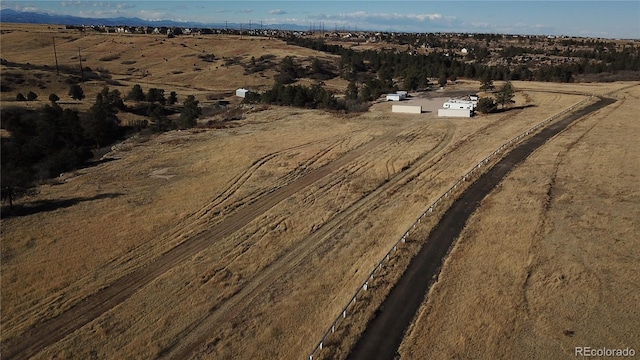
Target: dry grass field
point(189, 65)
point(564, 272)
point(346, 188)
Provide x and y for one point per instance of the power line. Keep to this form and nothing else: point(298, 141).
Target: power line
point(81, 70)
point(55, 53)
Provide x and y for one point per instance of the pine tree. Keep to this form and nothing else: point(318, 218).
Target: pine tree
point(487, 84)
point(352, 91)
point(189, 114)
point(136, 93)
point(173, 98)
point(505, 95)
point(103, 121)
point(76, 92)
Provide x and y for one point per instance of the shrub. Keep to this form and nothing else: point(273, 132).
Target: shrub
point(487, 105)
point(207, 57)
point(76, 92)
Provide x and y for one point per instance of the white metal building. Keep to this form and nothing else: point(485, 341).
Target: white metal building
point(241, 92)
point(407, 109)
point(455, 113)
point(460, 104)
point(398, 96)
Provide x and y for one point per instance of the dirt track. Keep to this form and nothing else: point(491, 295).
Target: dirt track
point(51, 331)
point(242, 205)
point(385, 333)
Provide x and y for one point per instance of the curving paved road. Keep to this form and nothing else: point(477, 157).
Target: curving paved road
point(384, 334)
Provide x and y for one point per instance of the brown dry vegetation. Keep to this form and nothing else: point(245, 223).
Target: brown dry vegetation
point(270, 289)
point(180, 64)
point(564, 272)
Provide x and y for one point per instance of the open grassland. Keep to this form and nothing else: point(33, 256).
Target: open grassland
point(273, 286)
point(207, 65)
point(308, 202)
point(561, 274)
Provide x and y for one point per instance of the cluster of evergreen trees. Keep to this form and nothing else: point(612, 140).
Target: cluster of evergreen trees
point(371, 73)
point(155, 102)
point(53, 140)
point(314, 96)
point(387, 64)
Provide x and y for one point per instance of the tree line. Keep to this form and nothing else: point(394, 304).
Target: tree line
point(372, 73)
point(386, 64)
point(51, 140)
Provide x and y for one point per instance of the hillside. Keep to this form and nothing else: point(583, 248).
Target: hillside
point(198, 65)
point(247, 240)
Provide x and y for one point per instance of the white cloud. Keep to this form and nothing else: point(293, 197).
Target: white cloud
point(277, 12)
point(71, 3)
point(423, 17)
point(377, 18)
point(125, 6)
point(389, 21)
point(153, 15)
point(27, 8)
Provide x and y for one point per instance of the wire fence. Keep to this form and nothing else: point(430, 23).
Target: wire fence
point(475, 171)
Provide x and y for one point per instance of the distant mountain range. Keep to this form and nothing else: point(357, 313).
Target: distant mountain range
point(12, 16)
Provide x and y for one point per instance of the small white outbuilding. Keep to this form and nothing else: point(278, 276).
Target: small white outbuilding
point(398, 96)
point(407, 109)
point(466, 113)
point(241, 92)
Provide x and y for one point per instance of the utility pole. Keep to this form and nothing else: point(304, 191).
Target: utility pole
point(81, 70)
point(55, 53)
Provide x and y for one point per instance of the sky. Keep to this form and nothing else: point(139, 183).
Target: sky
point(589, 18)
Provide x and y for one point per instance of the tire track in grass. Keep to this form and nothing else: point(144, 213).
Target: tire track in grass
point(385, 332)
point(52, 330)
point(197, 335)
